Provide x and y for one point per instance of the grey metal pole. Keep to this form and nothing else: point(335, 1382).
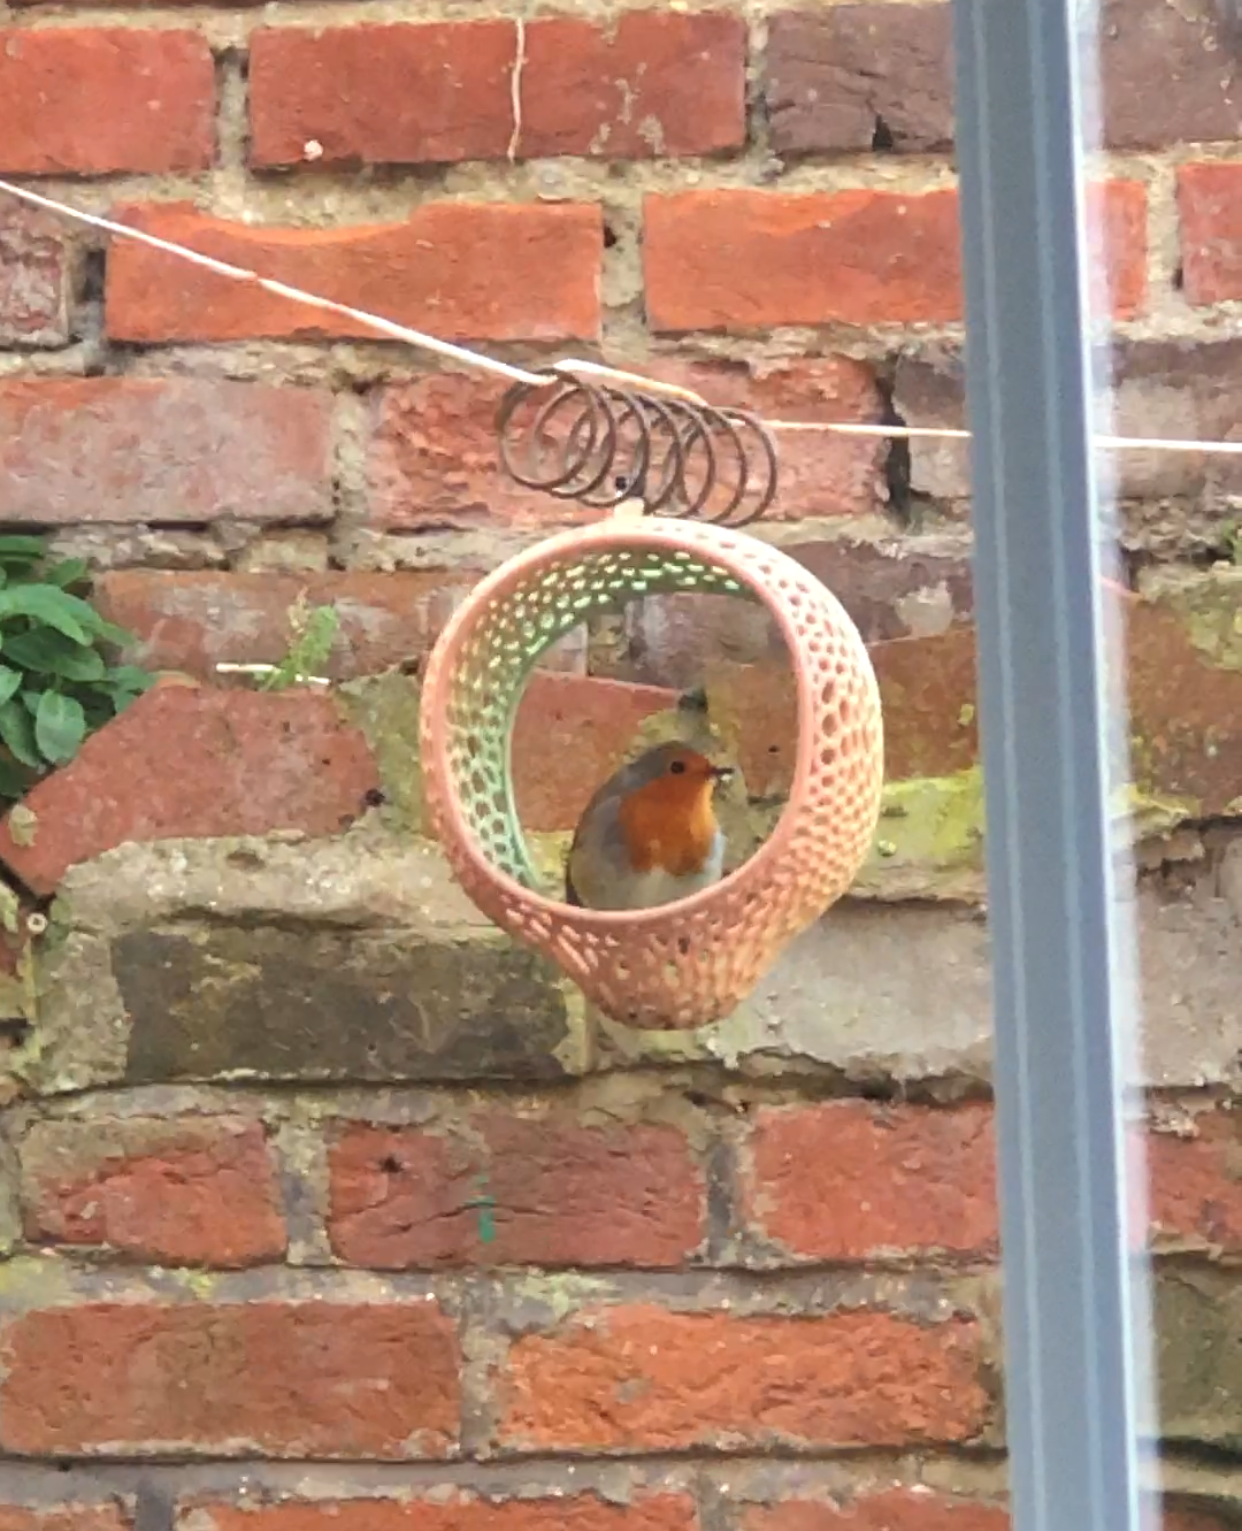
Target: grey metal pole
point(1062, 980)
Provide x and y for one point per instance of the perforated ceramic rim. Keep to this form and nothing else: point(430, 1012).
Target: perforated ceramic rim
point(716, 546)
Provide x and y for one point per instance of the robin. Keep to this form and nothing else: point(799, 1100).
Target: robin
point(649, 835)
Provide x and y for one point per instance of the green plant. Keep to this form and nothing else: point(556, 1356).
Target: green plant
point(58, 681)
point(312, 632)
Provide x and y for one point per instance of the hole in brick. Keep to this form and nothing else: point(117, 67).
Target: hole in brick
point(391, 1165)
point(1179, 277)
point(374, 797)
point(611, 237)
point(93, 276)
point(882, 138)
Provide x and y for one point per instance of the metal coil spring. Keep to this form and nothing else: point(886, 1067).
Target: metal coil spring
point(600, 445)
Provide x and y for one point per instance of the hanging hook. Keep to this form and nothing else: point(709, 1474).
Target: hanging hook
point(601, 444)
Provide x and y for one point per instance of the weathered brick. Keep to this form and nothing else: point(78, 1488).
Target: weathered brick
point(64, 1517)
point(466, 271)
point(897, 1509)
point(192, 622)
point(857, 77)
point(1209, 204)
point(581, 1512)
point(1198, 1332)
point(1181, 389)
point(650, 83)
point(570, 734)
point(419, 1007)
point(1167, 75)
point(36, 278)
point(434, 461)
point(93, 101)
point(889, 589)
point(169, 450)
point(1176, 388)
point(197, 1191)
point(644, 1379)
point(850, 1180)
point(283, 1379)
point(1195, 1187)
point(1116, 217)
point(189, 762)
point(560, 1193)
point(743, 260)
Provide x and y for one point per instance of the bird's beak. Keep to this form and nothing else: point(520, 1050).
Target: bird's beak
point(721, 773)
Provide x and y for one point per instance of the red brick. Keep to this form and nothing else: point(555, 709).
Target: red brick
point(199, 1191)
point(562, 1193)
point(465, 271)
point(140, 449)
point(434, 461)
point(1196, 1183)
point(642, 1379)
point(650, 83)
point(434, 458)
point(851, 1180)
point(743, 260)
point(899, 1509)
point(570, 734)
point(192, 622)
point(1209, 202)
point(36, 278)
point(182, 762)
point(1117, 229)
point(63, 1517)
point(282, 1379)
point(92, 101)
point(583, 1512)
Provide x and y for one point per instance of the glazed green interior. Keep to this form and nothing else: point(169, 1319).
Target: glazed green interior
point(503, 648)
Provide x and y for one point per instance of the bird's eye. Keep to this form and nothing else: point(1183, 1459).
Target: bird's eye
point(677, 767)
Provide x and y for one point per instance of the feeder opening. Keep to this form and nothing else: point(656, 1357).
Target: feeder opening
point(497, 663)
point(706, 670)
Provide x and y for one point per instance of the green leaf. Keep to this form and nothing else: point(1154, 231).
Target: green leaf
point(60, 727)
point(22, 549)
point(55, 608)
point(10, 681)
point(108, 632)
point(51, 653)
point(69, 571)
point(17, 732)
point(128, 678)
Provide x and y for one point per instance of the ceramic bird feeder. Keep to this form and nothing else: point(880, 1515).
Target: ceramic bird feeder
point(692, 962)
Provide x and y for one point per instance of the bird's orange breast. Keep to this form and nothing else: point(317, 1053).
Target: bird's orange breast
point(670, 825)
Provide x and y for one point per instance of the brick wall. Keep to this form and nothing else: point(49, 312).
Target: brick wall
point(321, 1207)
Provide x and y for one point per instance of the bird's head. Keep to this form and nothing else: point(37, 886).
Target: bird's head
point(674, 773)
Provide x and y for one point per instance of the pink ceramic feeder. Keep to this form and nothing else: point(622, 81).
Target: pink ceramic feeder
point(693, 962)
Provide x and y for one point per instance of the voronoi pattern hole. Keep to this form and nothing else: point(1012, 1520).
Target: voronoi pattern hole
point(691, 963)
